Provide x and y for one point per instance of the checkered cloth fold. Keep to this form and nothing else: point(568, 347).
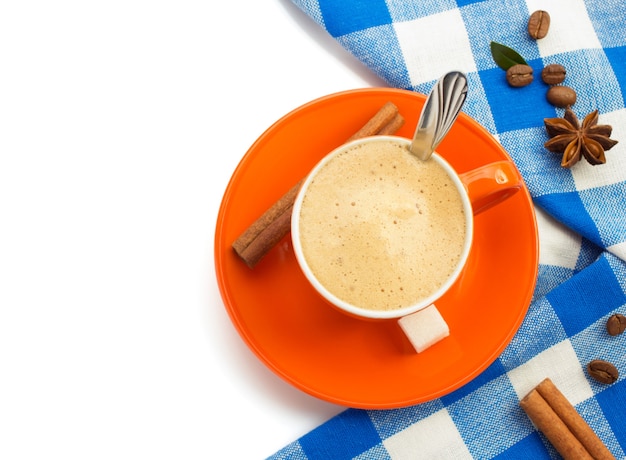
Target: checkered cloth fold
point(581, 214)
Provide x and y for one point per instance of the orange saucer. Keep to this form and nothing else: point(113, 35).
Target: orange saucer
point(352, 362)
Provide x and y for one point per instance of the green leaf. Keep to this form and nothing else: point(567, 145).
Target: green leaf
point(505, 57)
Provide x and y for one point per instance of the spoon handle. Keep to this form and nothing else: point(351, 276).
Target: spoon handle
point(443, 104)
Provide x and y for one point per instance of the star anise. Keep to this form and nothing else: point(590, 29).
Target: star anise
point(576, 140)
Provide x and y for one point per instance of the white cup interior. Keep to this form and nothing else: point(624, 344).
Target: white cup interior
point(369, 313)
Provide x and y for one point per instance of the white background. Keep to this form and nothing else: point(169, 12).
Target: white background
point(121, 123)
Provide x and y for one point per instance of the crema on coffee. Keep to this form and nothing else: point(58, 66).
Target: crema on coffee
point(380, 228)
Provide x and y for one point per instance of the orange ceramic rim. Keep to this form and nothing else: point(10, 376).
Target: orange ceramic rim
point(359, 363)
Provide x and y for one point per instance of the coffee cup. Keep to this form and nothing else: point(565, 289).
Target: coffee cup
point(382, 235)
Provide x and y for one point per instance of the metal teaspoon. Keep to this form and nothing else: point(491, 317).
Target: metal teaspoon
point(442, 106)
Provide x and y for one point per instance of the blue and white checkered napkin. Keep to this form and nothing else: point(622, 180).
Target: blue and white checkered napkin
point(581, 213)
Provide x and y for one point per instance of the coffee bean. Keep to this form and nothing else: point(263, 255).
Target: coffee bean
point(538, 24)
point(553, 74)
point(616, 324)
point(519, 75)
point(561, 96)
point(603, 371)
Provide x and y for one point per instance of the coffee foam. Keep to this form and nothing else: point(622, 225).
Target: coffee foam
point(381, 229)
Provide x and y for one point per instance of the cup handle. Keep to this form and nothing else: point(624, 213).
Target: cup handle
point(424, 328)
point(491, 184)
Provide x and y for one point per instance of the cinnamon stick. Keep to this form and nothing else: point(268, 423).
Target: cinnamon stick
point(380, 119)
point(562, 425)
point(265, 232)
point(392, 127)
